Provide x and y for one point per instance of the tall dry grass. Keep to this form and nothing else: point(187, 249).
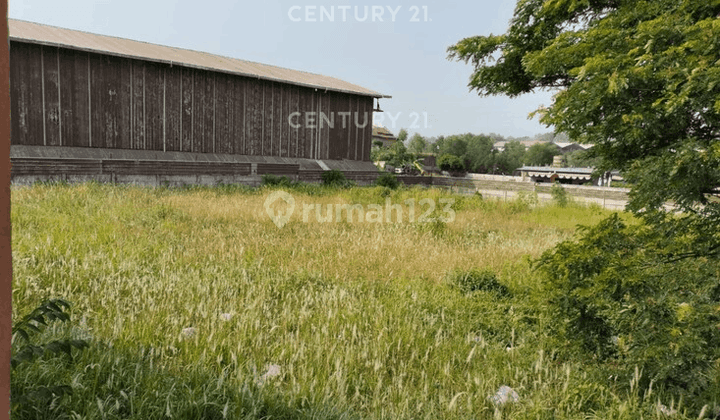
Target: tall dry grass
point(358, 318)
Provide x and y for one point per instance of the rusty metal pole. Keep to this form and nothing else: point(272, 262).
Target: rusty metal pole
point(5, 231)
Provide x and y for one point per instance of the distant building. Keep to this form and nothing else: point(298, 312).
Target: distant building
point(564, 147)
point(578, 176)
point(382, 134)
point(500, 145)
point(567, 147)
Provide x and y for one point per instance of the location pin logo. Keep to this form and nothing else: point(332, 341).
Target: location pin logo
point(279, 219)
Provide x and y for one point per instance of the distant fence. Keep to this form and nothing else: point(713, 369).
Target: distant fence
point(509, 188)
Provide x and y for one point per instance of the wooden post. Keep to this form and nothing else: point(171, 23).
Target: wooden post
point(5, 228)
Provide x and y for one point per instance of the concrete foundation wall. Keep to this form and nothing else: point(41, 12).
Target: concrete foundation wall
point(32, 164)
point(151, 168)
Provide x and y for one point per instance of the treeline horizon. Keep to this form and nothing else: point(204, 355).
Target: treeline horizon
point(476, 153)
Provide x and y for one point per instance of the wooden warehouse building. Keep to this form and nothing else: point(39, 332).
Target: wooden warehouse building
point(87, 106)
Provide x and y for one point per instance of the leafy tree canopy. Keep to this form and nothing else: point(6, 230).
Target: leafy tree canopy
point(395, 155)
point(510, 158)
point(639, 79)
point(479, 153)
point(450, 163)
point(417, 144)
point(580, 159)
point(541, 154)
point(402, 135)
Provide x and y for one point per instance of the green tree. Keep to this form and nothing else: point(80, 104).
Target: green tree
point(479, 154)
point(511, 157)
point(450, 163)
point(437, 145)
point(580, 159)
point(636, 78)
point(417, 144)
point(402, 135)
point(395, 155)
point(430, 144)
point(455, 145)
point(541, 154)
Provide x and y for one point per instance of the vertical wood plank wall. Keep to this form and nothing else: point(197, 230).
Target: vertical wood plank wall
point(63, 97)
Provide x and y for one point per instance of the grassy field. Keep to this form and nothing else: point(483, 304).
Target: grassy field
point(196, 305)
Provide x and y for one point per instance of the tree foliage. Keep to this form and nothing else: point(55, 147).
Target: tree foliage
point(402, 135)
point(395, 155)
point(580, 159)
point(417, 144)
point(26, 352)
point(511, 158)
point(541, 154)
point(639, 79)
point(615, 297)
point(450, 163)
point(478, 155)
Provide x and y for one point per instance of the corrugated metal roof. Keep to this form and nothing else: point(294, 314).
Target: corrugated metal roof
point(564, 144)
point(24, 31)
point(551, 169)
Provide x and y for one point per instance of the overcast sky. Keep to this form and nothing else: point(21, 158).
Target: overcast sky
point(399, 50)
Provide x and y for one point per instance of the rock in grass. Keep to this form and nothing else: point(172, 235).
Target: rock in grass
point(271, 372)
point(189, 332)
point(226, 316)
point(505, 395)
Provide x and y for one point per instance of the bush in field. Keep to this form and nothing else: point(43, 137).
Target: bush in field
point(559, 195)
point(335, 178)
point(621, 298)
point(27, 353)
point(478, 279)
point(386, 179)
point(277, 181)
point(524, 202)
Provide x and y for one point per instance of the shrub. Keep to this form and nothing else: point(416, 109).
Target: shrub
point(386, 179)
point(25, 352)
point(478, 279)
point(559, 195)
point(335, 178)
point(276, 181)
point(434, 225)
point(618, 296)
point(524, 202)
